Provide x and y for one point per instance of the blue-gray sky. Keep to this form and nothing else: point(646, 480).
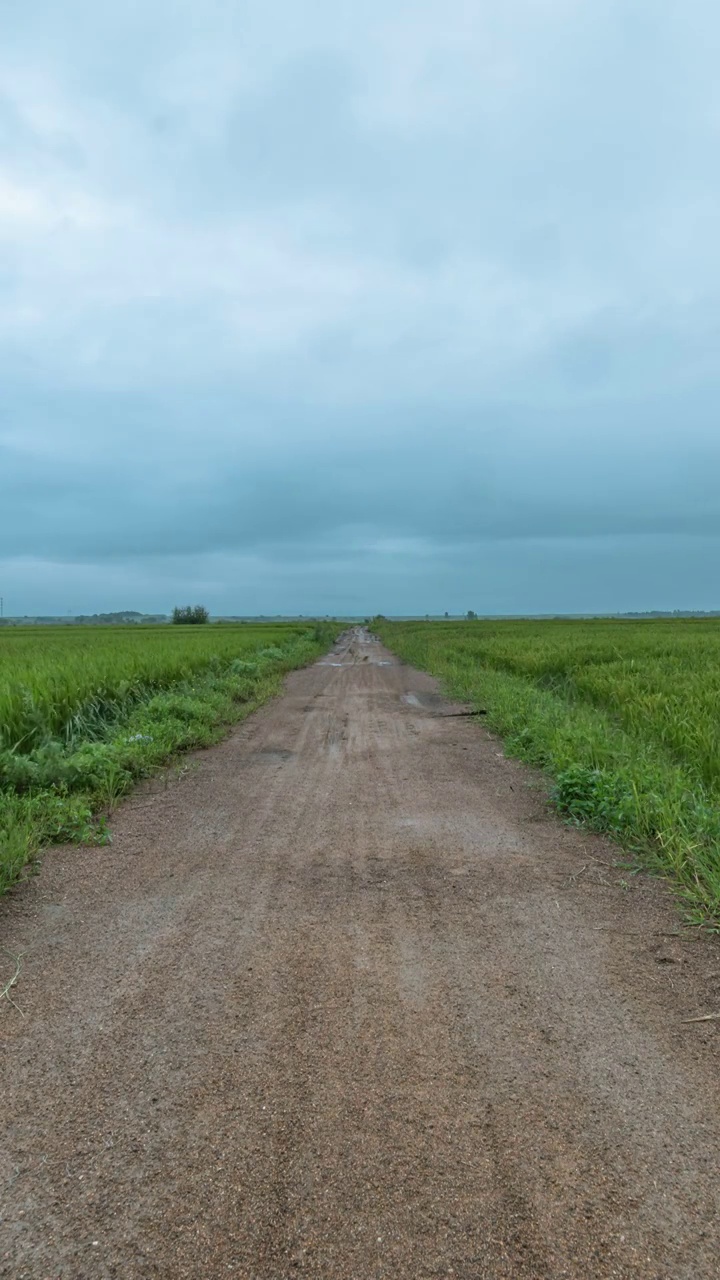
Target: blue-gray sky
point(317, 306)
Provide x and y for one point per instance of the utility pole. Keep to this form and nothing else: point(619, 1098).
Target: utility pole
point(1, 606)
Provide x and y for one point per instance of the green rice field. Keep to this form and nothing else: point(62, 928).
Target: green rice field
point(85, 712)
point(624, 715)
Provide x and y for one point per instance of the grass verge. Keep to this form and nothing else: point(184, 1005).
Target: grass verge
point(606, 778)
point(62, 792)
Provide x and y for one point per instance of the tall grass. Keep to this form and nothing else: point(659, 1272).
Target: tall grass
point(64, 682)
point(83, 714)
point(625, 715)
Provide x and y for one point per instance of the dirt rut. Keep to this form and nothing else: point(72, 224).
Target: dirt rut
point(346, 1000)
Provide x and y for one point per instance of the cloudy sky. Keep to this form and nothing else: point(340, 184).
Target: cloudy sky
point(316, 306)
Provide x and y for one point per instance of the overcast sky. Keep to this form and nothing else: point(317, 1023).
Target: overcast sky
point(401, 306)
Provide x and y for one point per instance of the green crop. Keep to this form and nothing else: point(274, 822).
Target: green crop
point(84, 712)
point(625, 715)
point(67, 682)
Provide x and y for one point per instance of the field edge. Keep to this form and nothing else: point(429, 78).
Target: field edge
point(599, 776)
point(191, 714)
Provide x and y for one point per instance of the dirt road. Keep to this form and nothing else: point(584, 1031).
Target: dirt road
point(346, 1000)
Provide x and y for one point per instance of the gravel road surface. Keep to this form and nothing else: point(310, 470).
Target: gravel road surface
point(347, 1000)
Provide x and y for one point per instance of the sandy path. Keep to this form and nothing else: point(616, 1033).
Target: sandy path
point(346, 1000)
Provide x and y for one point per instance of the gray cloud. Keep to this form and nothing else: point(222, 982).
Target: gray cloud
point(419, 296)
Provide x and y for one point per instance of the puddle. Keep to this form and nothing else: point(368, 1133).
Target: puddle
point(373, 662)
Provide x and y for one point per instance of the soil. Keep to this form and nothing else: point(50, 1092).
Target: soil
point(345, 999)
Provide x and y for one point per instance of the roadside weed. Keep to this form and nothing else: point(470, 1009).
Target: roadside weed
point(623, 715)
point(85, 713)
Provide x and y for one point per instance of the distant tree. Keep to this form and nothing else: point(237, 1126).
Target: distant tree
point(471, 615)
point(190, 615)
point(447, 615)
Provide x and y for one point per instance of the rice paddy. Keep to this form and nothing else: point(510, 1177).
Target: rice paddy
point(85, 712)
point(624, 715)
